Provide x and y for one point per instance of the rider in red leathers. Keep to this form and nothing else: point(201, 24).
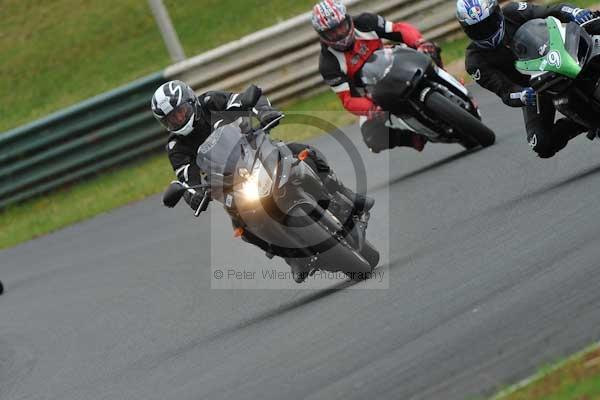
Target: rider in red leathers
point(347, 42)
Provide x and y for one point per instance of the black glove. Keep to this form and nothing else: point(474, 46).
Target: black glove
point(581, 16)
point(267, 116)
point(195, 201)
point(249, 97)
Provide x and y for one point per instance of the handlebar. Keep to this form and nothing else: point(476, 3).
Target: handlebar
point(203, 204)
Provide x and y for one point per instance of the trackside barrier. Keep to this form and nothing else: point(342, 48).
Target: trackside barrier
point(80, 140)
point(115, 126)
point(283, 59)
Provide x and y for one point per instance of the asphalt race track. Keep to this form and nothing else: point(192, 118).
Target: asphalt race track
point(491, 259)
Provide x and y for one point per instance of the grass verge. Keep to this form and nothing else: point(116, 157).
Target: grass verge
point(587, 3)
point(55, 54)
point(577, 378)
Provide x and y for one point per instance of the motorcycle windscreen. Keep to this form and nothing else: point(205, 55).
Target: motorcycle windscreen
point(377, 67)
point(390, 75)
point(540, 47)
point(532, 40)
point(221, 153)
point(578, 43)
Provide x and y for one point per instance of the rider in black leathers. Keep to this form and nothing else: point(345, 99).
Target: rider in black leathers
point(190, 120)
point(491, 62)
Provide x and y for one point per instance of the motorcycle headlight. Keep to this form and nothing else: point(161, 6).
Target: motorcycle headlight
point(257, 184)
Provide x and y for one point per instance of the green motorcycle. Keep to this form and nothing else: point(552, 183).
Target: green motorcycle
point(564, 63)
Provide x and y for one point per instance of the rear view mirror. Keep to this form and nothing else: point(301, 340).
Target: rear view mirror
point(250, 97)
point(173, 194)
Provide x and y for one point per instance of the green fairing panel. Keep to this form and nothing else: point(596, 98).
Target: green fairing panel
point(543, 37)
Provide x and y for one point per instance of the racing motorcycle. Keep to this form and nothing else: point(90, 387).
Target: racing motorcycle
point(564, 63)
point(276, 196)
point(423, 98)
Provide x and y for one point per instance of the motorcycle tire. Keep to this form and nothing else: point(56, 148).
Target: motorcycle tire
point(472, 131)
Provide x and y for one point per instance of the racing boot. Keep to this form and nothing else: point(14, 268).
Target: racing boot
point(362, 203)
point(419, 142)
point(564, 130)
point(357, 225)
point(406, 138)
point(593, 133)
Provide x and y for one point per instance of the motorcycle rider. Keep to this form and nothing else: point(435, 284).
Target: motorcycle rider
point(347, 42)
point(190, 120)
point(491, 62)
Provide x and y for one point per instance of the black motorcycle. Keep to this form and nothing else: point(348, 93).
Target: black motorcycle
point(422, 98)
point(277, 197)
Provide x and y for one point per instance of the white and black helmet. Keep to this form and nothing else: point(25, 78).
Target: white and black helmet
point(175, 106)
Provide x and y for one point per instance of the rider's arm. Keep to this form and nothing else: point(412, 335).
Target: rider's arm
point(401, 32)
point(340, 84)
point(221, 102)
point(183, 163)
point(264, 111)
point(356, 105)
point(522, 11)
point(217, 100)
point(563, 11)
point(493, 80)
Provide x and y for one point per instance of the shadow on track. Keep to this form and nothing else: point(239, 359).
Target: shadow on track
point(545, 190)
point(174, 353)
point(293, 305)
point(427, 168)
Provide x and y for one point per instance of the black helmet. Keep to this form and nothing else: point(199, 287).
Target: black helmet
point(175, 106)
point(482, 21)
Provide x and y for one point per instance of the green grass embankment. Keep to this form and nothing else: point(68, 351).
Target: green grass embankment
point(57, 53)
point(577, 378)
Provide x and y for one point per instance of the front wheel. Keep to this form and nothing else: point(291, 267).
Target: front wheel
point(369, 253)
point(471, 131)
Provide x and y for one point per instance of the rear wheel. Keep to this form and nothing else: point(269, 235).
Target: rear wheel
point(472, 131)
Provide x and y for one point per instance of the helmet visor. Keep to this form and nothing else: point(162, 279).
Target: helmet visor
point(487, 28)
point(339, 33)
point(179, 117)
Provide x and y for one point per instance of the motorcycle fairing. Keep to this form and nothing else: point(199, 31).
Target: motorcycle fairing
point(540, 47)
